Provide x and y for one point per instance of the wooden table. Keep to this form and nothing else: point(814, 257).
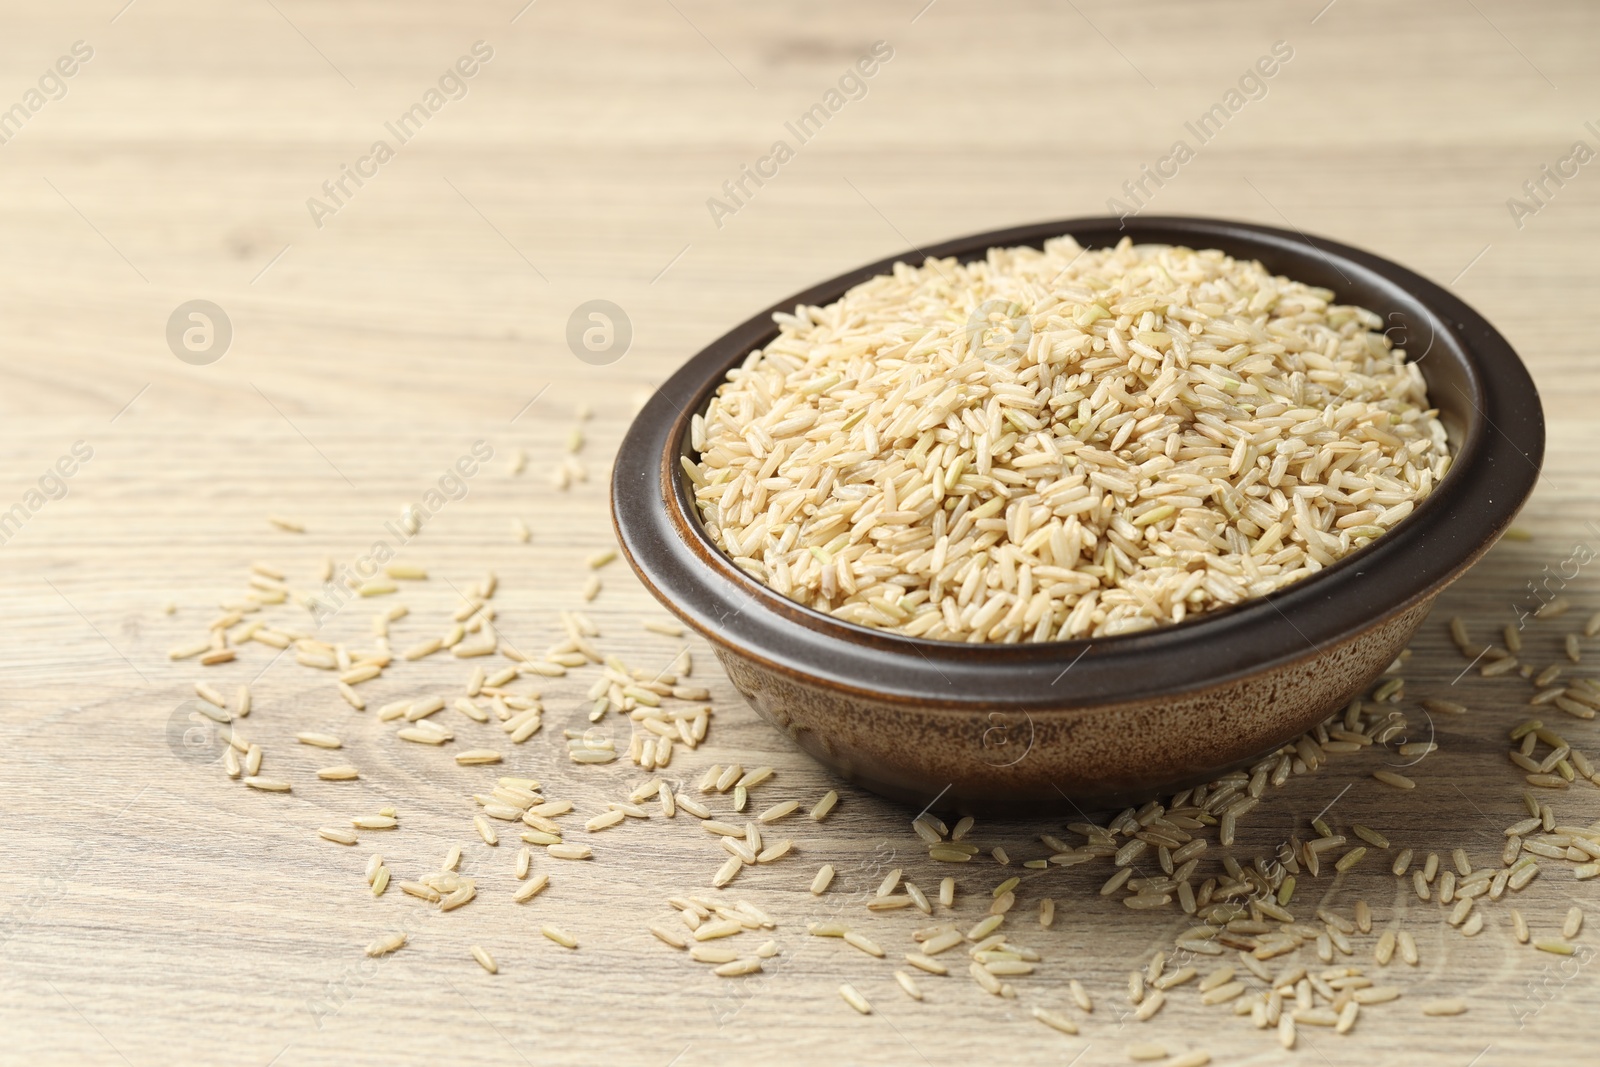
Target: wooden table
point(158, 912)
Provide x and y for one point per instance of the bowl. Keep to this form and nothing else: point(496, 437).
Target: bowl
point(1107, 721)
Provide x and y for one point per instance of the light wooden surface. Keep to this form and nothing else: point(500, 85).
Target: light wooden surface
point(156, 912)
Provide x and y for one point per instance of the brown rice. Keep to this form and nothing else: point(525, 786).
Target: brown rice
point(1062, 443)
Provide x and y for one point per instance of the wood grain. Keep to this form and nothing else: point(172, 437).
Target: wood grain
point(157, 912)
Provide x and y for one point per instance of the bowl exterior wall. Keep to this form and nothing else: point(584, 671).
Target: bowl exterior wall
point(1063, 760)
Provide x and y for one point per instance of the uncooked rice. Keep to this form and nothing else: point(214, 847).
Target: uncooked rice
point(385, 945)
point(1244, 907)
point(559, 936)
point(1064, 443)
point(855, 999)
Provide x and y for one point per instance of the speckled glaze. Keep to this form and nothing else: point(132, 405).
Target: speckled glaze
point(1079, 724)
point(1116, 753)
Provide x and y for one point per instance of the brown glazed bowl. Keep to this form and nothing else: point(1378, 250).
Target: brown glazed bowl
point(1108, 721)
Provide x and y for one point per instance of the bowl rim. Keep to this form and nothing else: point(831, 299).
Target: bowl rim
point(1495, 466)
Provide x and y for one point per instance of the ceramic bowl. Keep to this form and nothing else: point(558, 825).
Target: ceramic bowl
point(1108, 721)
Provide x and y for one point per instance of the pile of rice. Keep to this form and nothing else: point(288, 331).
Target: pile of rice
point(1063, 443)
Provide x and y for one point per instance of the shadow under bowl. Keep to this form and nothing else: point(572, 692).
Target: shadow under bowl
point(1036, 728)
